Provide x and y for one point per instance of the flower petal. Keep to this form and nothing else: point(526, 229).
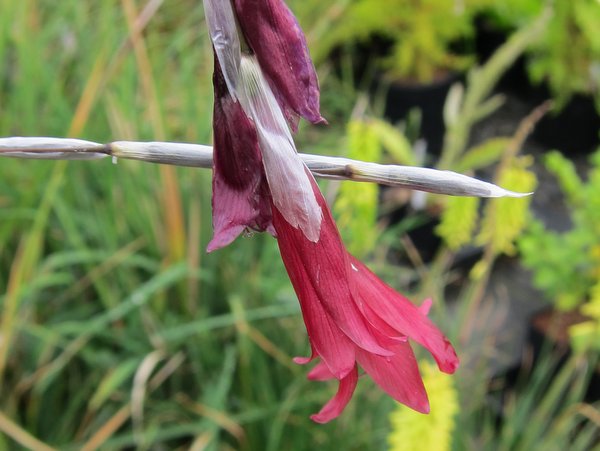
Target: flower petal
point(405, 317)
point(398, 376)
point(276, 38)
point(240, 195)
point(336, 405)
point(329, 342)
point(377, 322)
point(425, 306)
point(320, 273)
point(303, 360)
point(322, 373)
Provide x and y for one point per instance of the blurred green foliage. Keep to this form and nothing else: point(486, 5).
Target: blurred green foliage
point(118, 331)
point(356, 203)
point(585, 336)
point(422, 34)
point(566, 265)
point(542, 410)
point(505, 218)
point(568, 56)
point(458, 222)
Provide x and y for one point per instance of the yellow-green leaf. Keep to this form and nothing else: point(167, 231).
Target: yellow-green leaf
point(483, 155)
point(394, 142)
point(414, 431)
point(458, 221)
point(584, 336)
point(504, 218)
point(356, 204)
point(565, 172)
point(111, 382)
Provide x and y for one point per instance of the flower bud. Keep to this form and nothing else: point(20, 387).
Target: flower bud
point(274, 35)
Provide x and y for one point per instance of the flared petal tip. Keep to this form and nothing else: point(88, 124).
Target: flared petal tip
point(422, 407)
point(317, 120)
point(450, 367)
point(224, 237)
point(322, 418)
point(426, 306)
point(447, 361)
point(322, 372)
point(302, 360)
point(418, 401)
point(338, 403)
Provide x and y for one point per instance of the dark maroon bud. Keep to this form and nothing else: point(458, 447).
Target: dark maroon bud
point(274, 35)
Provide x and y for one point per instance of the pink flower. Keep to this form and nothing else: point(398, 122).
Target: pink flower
point(240, 188)
point(259, 182)
point(353, 318)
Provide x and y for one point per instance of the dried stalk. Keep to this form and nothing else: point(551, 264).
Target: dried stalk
point(200, 156)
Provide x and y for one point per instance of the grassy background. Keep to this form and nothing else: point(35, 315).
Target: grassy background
point(117, 330)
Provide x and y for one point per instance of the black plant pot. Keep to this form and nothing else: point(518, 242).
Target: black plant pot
point(573, 129)
point(400, 96)
point(422, 235)
point(488, 39)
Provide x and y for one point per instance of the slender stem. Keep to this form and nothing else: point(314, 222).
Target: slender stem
point(200, 156)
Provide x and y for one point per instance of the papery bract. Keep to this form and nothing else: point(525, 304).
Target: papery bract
point(221, 22)
point(289, 183)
